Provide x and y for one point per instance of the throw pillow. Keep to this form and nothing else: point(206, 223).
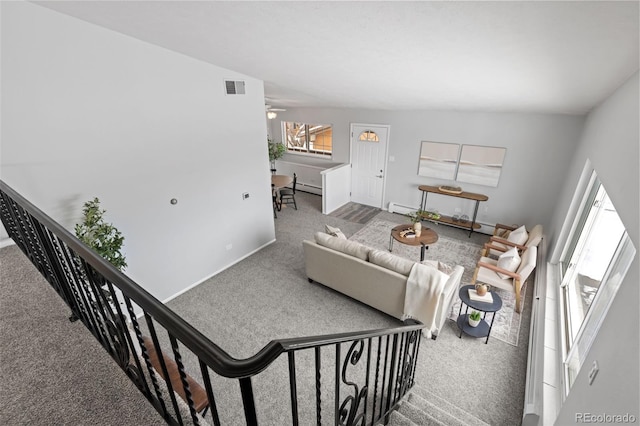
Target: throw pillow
point(352, 248)
point(336, 232)
point(442, 267)
point(509, 261)
point(391, 261)
point(518, 236)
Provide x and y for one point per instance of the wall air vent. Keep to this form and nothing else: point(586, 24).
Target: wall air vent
point(234, 87)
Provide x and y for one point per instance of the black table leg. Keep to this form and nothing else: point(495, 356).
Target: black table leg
point(490, 327)
point(460, 313)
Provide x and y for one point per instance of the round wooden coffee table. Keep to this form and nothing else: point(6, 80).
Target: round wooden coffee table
point(427, 236)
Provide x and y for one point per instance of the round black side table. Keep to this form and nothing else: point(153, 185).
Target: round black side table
point(484, 328)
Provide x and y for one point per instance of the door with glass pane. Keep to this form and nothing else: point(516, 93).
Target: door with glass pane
point(368, 160)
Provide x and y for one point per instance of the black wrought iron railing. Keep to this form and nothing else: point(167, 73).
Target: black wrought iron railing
point(341, 379)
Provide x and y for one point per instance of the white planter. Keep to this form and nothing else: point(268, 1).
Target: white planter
point(473, 323)
point(418, 228)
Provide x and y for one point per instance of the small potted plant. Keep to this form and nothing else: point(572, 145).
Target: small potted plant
point(276, 151)
point(474, 318)
point(416, 218)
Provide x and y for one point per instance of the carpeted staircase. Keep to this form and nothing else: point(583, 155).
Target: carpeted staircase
point(423, 408)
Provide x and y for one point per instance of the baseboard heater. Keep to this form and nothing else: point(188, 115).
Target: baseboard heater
point(307, 187)
point(401, 208)
point(533, 406)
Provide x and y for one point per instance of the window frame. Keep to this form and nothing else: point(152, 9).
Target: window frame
point(575, 349)
point(315, 153)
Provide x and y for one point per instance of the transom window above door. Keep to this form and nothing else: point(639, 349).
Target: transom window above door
point(311, 139)
point(369, 136)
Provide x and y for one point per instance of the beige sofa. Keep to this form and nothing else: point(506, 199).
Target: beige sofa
point(374, 277)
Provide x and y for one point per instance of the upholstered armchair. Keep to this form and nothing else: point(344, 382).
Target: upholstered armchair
point(489, 271)
point(506, 236)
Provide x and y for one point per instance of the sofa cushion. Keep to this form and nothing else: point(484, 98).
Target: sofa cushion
point(509, 260)
point(391, 261)
point(336, 232)
point(352, 248)
point(518, 236)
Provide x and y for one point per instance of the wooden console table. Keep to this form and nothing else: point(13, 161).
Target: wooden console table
point(448, 220)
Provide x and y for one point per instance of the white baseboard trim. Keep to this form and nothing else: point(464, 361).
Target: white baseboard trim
point(533, 393)
point(310, 188)
point(168, 299)
point(400, 208)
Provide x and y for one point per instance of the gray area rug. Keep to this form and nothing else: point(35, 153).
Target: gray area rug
point(354, 212)
point(376, 233)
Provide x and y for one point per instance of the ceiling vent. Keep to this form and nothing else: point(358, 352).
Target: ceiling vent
point(234, 87)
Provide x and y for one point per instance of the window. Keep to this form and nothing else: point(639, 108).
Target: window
point(369, 136)
point(315, 139)
point(595, 260)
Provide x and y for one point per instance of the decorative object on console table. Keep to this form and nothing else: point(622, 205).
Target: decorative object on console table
point(450, 189)
point(426, 189)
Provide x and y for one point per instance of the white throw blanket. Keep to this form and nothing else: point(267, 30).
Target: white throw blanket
point(424, 286)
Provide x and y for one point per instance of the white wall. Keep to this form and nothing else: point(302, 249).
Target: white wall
point(538, 146)
point(611, 142)
point(90, 112)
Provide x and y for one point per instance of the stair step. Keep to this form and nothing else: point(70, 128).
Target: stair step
point(442, 409)
point(418, 416)
point(440, 414)
point(398, 419)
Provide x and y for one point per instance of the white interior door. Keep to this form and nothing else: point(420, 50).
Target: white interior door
point(368, 163)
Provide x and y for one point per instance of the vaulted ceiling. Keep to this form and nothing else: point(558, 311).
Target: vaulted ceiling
point(521, 56)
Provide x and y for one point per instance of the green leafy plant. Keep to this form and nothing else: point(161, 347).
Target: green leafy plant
point(431, 215)
point(475, 316)
point(102, 237)
point(276, 150)
point(419, 214)
point(415, 216)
